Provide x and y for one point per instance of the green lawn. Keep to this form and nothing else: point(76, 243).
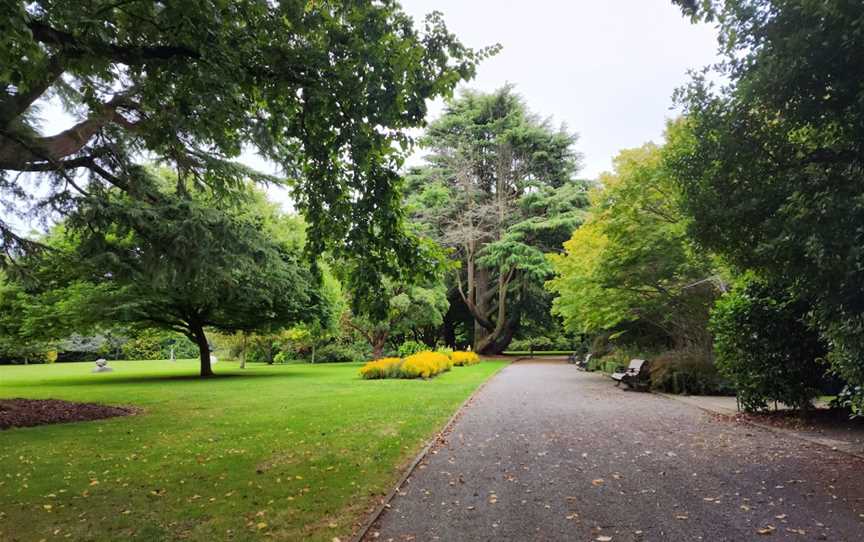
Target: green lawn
point(278, 452)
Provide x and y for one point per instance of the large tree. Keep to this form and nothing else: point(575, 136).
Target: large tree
point(409, 308)
point(182, 264)
point(325, 89)
point(771, 163)
point(632, 261)
point(499, 190)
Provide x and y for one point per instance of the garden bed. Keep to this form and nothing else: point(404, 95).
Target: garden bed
point(32, 412)
point(834, 424)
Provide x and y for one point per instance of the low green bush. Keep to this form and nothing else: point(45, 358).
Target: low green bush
point(339, 352)
point(689, 371)
point(408, 348)
point(532, 343)
point(610, 362)
point(283, 357)
point(764, 346)
point(156, 344)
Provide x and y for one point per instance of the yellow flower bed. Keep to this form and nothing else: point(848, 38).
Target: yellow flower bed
point(462, 359)
point(425, 365)
point(421, 365)
point(381, 368)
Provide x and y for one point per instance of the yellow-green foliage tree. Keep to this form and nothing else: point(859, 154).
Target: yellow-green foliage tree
point(632, 261)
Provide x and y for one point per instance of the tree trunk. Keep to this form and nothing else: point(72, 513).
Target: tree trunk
point(200, 339)
point(481, 302)
point(449, 331)
point(243, 358)
point(313, 351)
point(377, 350)
point(497, 341)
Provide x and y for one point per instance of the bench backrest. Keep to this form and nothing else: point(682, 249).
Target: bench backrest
point(636, 364)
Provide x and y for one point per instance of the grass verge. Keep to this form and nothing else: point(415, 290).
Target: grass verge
point(278, 452)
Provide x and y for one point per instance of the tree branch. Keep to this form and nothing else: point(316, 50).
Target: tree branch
point(131, 55)
point(14, 105)
point(19, 154)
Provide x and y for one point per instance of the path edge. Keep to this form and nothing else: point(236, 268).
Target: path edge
point(373, 517)
point(772, 429)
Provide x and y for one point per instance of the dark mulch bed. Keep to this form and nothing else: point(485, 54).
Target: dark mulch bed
point(828, 423)
point(30, 412)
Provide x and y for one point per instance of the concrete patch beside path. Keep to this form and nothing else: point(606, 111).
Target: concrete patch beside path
point(726, 406)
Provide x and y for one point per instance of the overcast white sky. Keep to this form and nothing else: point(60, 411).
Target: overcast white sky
point(606, 68)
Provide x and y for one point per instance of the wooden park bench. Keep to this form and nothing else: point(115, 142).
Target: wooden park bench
point(636, 375)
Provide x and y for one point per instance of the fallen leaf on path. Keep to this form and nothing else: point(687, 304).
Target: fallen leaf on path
point(598, 482)
point(781, 516)
point(682, 517)
point(768, 529)
point(603, 538)
point(796, 531)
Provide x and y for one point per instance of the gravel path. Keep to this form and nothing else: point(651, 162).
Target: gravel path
point(546, 452)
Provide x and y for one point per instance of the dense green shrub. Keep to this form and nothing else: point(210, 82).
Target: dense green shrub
point(610, 362)
point(408, 348)
point(339, 352)
point(764, 346)
point(539, 343)
point(283, 357)
point(688, 371)
point(157, 344)
point(600, 346)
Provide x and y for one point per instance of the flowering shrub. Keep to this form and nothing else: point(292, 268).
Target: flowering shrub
point(463, 359)
point(425, 365)
point(420, 365)
point(382, 368)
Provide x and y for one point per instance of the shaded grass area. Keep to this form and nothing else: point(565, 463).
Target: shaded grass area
point(278, 452)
